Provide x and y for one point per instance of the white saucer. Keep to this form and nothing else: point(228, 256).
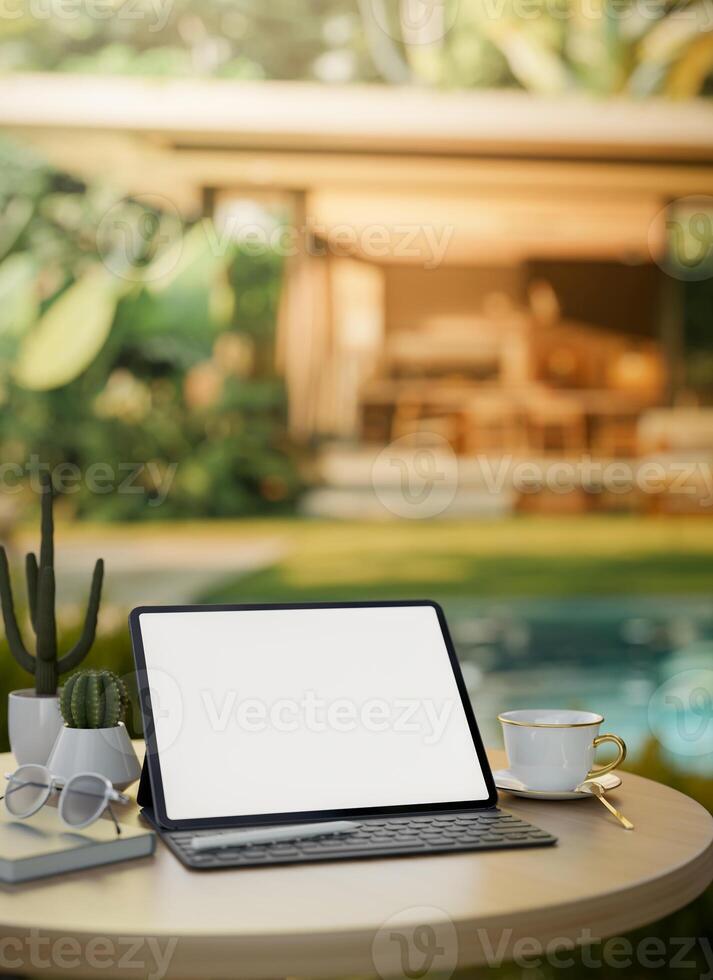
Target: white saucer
point(504, 779)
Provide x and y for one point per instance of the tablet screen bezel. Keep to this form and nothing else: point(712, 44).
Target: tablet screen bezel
point(153, 760)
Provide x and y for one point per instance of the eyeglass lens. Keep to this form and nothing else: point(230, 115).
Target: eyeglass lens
point(83, 799)
point(27, 789)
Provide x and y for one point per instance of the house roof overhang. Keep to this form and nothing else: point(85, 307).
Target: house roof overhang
point(199, 113)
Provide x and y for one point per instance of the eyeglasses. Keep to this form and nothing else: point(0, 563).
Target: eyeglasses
point(82, 798)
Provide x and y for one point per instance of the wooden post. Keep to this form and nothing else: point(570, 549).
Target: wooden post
point(672, 333)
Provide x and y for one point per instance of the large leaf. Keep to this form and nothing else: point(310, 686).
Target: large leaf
point(689, 73)
point(15, 219)
point(194, 260)
point(669, 36)
point(188, 288)
point(532, 61)
point(70, 333)
point(18, 295)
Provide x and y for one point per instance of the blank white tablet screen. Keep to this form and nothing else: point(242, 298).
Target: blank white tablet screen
point(289, 710)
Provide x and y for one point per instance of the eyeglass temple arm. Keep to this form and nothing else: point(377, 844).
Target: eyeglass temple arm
point(113, 817)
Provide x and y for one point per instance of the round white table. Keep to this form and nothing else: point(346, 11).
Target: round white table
point(154, 918)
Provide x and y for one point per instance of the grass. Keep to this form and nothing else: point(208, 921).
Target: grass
point(521, 556)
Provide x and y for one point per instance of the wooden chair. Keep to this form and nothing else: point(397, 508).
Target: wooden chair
point(492, 422)
point(555, 422)
point(411, 418)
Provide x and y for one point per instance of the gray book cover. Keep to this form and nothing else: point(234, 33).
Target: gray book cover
point(42, 845)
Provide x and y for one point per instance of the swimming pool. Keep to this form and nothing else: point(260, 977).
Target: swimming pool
point(646, 664)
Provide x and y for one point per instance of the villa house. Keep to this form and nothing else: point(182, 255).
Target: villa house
point(488, 267)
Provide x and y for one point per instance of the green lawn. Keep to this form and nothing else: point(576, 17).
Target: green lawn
point(521, 556)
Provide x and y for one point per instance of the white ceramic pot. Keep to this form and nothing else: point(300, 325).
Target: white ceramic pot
point(107, 751)
point(33, 724)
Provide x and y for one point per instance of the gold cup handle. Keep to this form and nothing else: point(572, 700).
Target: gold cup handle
point(593, 773)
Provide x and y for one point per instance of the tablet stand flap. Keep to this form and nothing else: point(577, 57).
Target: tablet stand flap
point(144, 796)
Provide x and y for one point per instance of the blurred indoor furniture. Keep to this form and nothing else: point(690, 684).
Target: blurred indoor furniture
point(555, 422)
point(672, 430)
point(492, 421)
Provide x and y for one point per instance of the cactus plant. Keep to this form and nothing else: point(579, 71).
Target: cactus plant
point(93, 699)
point(46, 665)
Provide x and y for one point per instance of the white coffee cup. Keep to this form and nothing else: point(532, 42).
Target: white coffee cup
point(552, 750)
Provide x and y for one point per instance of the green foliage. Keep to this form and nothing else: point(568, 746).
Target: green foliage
point(128, 337)
point(46, 665)
point(69, 335)
point(546, 46)
point(557, 46)
point(249, 40)
point(93, 699)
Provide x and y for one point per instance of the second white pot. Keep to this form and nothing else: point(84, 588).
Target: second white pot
point(107, 751)
point(34, 721)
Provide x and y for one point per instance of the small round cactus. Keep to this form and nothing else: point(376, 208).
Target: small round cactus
point(93, 699)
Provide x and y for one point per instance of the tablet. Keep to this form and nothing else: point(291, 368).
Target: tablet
point(264, 713)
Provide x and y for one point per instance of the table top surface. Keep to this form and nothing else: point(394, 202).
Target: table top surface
point(324, 919)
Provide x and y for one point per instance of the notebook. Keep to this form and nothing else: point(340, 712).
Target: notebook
point(42, 845)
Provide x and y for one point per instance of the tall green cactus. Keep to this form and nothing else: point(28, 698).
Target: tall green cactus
point(93, 699)
point(46, 665)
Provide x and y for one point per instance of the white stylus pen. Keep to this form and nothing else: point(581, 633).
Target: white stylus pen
point(270, 835)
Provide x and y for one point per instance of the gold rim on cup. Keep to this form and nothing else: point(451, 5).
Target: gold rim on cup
point(542, 724)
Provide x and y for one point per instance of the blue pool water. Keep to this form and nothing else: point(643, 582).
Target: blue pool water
point(645, 664)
